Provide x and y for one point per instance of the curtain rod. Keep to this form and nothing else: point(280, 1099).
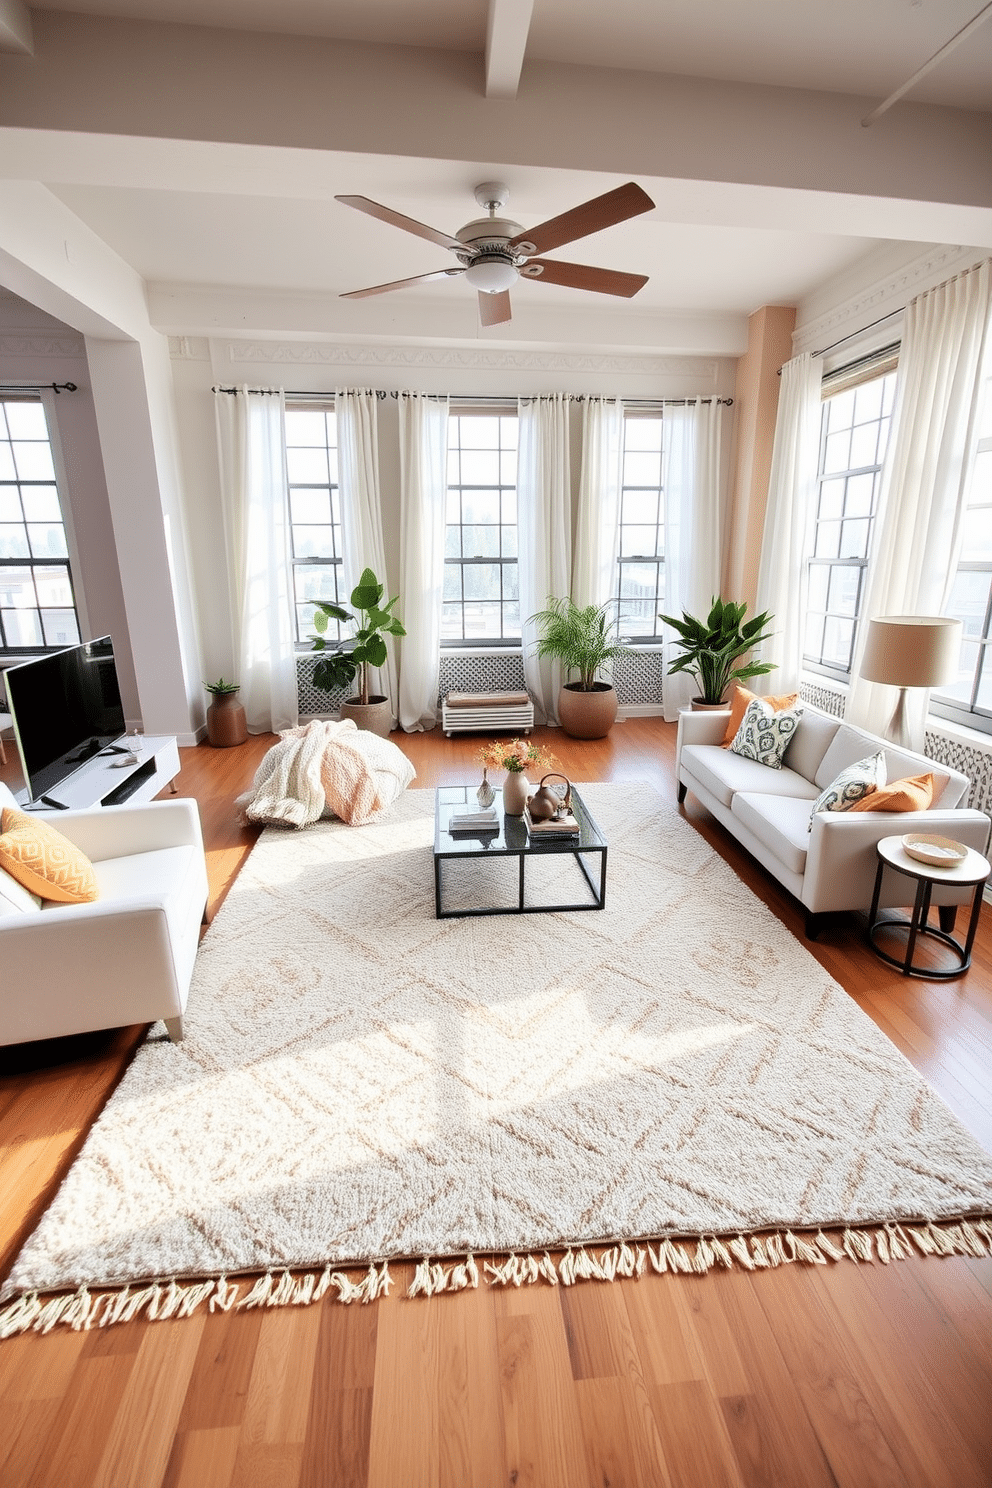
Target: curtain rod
point(859, 332)
point(37, 387)
point(487, 398)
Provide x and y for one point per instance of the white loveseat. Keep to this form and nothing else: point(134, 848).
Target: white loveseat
point(127, 957)
point(829, 864)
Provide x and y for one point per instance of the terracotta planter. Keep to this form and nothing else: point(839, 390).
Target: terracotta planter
point(587, 715)
point(376, 716)
point(516, 789)
point(698, 706)
point(226, 724)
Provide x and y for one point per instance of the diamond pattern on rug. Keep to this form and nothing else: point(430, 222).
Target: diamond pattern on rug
point(360, 1080)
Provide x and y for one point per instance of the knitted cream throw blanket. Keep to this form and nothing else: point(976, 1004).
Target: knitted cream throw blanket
point(326, 766)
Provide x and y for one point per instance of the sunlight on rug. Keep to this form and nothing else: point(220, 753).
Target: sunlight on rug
point(671, 1084)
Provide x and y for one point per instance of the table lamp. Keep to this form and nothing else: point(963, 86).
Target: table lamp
point(910, 651)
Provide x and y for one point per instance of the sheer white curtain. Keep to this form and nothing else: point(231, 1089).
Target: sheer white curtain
point(918, 528)
point(693, 486)
point(361, 510)
point(791, 504)
point(543, 534)
point(423, 488)
point(598, 519)
point(255, 501)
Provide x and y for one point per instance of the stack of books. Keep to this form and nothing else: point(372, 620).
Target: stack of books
point(473, 821)
point(555, 829)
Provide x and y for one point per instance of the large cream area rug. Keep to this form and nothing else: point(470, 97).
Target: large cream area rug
point(360, 1081)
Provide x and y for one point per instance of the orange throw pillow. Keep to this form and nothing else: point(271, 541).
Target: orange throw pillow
point(739, 700)
point(44, 861)
point(915, 793)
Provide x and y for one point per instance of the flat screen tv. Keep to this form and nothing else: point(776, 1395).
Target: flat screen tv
point(66, 708)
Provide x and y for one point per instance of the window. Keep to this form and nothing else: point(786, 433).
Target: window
point(481, 594)
point(314, 515)
point(970, 696)
point(854, 433)
point(641, 547)
point(37, 606)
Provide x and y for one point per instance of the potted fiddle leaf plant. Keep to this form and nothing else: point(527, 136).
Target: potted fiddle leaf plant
point(711, 649)
point(583, 639)
point(359, 653)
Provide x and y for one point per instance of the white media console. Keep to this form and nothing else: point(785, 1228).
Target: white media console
point(105, 781)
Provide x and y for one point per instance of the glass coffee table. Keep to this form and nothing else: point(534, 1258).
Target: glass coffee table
point(548, 876)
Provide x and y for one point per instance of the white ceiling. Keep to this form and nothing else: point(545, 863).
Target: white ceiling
point(227, 218)
point(867, 47)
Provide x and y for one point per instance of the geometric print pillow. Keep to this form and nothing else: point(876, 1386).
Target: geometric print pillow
point(764, 734)
point(44, 861)
point(852, 785)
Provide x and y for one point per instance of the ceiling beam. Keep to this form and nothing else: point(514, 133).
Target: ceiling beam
point(15, 27)
point(506, 42)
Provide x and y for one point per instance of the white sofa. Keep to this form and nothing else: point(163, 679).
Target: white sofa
point(127, 957)
point(828, 865)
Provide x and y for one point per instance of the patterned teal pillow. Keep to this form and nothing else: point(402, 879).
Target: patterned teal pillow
point(765, 735)
point(852, 785)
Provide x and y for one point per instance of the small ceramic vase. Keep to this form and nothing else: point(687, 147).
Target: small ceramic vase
point(485, 795)
point(516, 788)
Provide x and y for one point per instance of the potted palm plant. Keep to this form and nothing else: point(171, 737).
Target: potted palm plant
point(583, 640)
point(711, 648)
point(359, 653)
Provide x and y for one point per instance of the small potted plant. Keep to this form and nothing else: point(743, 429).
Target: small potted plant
point(226, 724)
point(583, 640)
point(365, 649)
point(711, 647)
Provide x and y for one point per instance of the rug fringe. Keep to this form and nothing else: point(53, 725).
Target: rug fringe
point(158, 1301)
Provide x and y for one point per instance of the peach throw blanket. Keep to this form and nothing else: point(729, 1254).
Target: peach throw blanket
point(323, 766)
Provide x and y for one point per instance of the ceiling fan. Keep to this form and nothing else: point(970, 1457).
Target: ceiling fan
point(494, 252)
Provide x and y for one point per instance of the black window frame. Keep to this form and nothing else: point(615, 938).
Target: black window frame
point(505, 560)
point(657, 558)
point(35, 565)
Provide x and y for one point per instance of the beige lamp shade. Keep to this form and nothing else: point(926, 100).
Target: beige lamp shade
point(911, 650)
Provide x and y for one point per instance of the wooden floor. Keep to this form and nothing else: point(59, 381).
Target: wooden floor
point(800, 1378)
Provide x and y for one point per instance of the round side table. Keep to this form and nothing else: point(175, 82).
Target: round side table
point(974, 870)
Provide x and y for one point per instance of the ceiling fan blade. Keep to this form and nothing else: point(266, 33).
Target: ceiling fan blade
point(408, 224)
point(590, 217)
point(361, 294)
point(494, 309)
point(583, 276)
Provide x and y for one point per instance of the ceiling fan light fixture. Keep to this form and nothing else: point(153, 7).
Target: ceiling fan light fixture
point(491, 275)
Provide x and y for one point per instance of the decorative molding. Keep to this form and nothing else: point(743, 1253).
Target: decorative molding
point(312, 353)
point(189, 348)
point(868, 304)
point(39, 344)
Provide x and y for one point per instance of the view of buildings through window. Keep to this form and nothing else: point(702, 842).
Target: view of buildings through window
point(853, 438)
point(314, 514)
point(641, 545)
point(37, 605)
point(970, 695)
point(481, 593)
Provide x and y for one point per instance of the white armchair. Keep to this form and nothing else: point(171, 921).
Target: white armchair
point(127, 957)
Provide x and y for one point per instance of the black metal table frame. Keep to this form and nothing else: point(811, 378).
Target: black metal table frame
point(918, 925)
point(522, 851)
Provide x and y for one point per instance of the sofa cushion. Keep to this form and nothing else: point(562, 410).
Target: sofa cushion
point(741, 697)
point(780, 822)
point(811, 741)
point(45, 862)
point(851, 744)
point(765, 734)
point(912, 794)
point(852, 784)
point(723, 773)
point(15, 898)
